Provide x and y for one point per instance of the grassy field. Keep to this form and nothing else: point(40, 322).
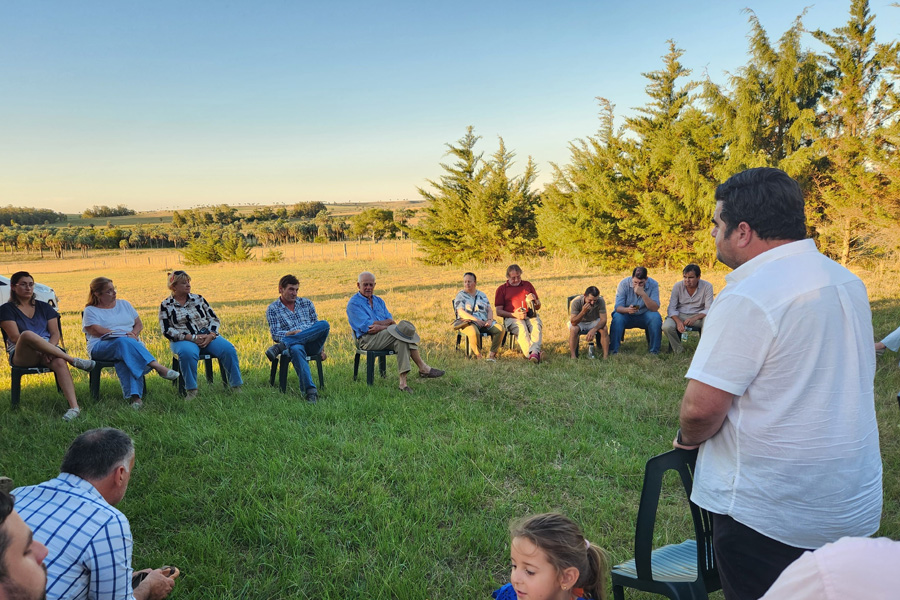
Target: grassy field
point(370, 493)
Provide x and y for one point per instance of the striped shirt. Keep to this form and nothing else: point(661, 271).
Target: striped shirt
point(281, 319)
point(88, 539)
point(181, 322)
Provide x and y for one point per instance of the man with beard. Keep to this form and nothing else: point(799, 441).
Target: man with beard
point(23, 575)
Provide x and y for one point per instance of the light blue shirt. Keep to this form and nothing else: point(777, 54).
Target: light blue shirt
point(625, 295)
point(89, 540)
point(476, 305)
point(362, 316)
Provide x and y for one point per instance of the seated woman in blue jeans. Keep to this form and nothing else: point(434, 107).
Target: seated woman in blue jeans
point(192, 327)
point(113, 328)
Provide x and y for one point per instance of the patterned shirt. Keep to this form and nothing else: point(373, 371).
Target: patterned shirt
point(362, 316)
point(181, 322)
point(281, 319)
point(89, 540)
point(476, 305)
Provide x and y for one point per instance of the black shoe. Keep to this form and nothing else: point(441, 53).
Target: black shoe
point(312, 395)
point(275, 351)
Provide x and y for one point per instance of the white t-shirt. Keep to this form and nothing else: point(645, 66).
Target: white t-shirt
point(120, 318)
point(849, 569)
point(797, 458)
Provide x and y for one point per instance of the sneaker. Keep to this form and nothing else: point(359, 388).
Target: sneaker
point(880, 351)
point(190, 394)
point(275, 351)
point(312, 395)
point(84, 364)
point(534, 357)
point(72, 413)
point(171, 375)
point(489, 359)
point(137, 404)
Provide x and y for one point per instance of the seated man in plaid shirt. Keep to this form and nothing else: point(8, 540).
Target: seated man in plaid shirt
point(88, 539)
point(295, 327)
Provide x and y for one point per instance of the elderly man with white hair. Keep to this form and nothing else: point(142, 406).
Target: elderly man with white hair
point(375, 329)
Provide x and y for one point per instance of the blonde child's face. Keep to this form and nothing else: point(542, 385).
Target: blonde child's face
point(533, 576)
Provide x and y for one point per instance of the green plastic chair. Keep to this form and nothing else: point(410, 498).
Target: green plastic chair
point(678, 571)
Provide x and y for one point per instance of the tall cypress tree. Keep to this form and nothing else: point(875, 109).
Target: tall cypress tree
point(859, 183)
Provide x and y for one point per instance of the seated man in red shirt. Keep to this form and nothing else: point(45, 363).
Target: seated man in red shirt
point(517, 302)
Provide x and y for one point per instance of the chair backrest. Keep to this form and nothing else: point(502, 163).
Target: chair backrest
point(569, 303)
point(682, 461)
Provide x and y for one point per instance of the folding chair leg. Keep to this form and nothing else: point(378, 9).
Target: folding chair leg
point(382, 366)
point(223, 374)
point(176, 366)
point(94, 379)
point(272, 373)
point(355, 367)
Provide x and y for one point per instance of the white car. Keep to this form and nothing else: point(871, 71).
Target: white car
point(42, 292)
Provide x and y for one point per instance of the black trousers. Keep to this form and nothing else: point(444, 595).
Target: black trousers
point(748, 562)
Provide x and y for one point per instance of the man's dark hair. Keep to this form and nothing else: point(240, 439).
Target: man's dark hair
point(472, 274)
point(639, 272)
point(592, 291)
point(6, 507)
point(767, 199)
point(287, 280)
point(95, 453)
point(691, 268)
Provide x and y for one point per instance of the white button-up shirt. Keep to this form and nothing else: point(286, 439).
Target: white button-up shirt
point(797, 458)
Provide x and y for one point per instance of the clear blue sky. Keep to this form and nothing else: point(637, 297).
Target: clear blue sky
point(172, 104)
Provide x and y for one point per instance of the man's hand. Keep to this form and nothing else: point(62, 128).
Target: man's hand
point(591, 335)
point(156, 586)
point(375, 328)
point(679, 324)
point(520, 313)
point(689, 322)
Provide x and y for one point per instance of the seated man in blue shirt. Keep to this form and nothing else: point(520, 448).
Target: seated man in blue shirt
point(295, 327)
point(637, 307)
point(88, 539)
point(375, 329)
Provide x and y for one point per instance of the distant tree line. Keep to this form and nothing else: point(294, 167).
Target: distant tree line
point(13, 215)
point(643, 193)
point(106, 211)
point(203, 233)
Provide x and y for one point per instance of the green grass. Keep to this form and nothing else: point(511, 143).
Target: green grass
point(371, 493)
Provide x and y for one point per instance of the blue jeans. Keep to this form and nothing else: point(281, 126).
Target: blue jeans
point(189, 353)
point(651, 322)
point(132, 361)
point(306, 343)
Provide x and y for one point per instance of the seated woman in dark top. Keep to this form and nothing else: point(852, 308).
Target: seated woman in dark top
point(32, 333)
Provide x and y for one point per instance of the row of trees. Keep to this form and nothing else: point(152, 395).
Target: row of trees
point(103, 212)
point(13, 215)
point(374, 224)
point(644, 192)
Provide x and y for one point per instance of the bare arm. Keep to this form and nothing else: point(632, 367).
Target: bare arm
point(137, 329)
point(703, 410)
point(53, 328)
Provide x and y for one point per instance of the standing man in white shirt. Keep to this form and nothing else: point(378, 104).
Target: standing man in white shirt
point(690, 301)
point(780, 396)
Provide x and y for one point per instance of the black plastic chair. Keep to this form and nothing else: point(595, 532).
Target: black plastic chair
point(95, 377)
point(207, 366)
point(371, 355)
point(678, 571)
point(461, 336)
point(281, 367)
point(19, 372)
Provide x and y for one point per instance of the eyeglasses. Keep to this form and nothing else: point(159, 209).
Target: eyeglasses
point(25, 284)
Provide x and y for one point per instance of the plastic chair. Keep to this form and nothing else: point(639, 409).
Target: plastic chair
point(207, 366)
point(678, 571)
point(19, 372)
point(371, 355)
point(459, 333)
point(284, 364)
point(95, 378)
